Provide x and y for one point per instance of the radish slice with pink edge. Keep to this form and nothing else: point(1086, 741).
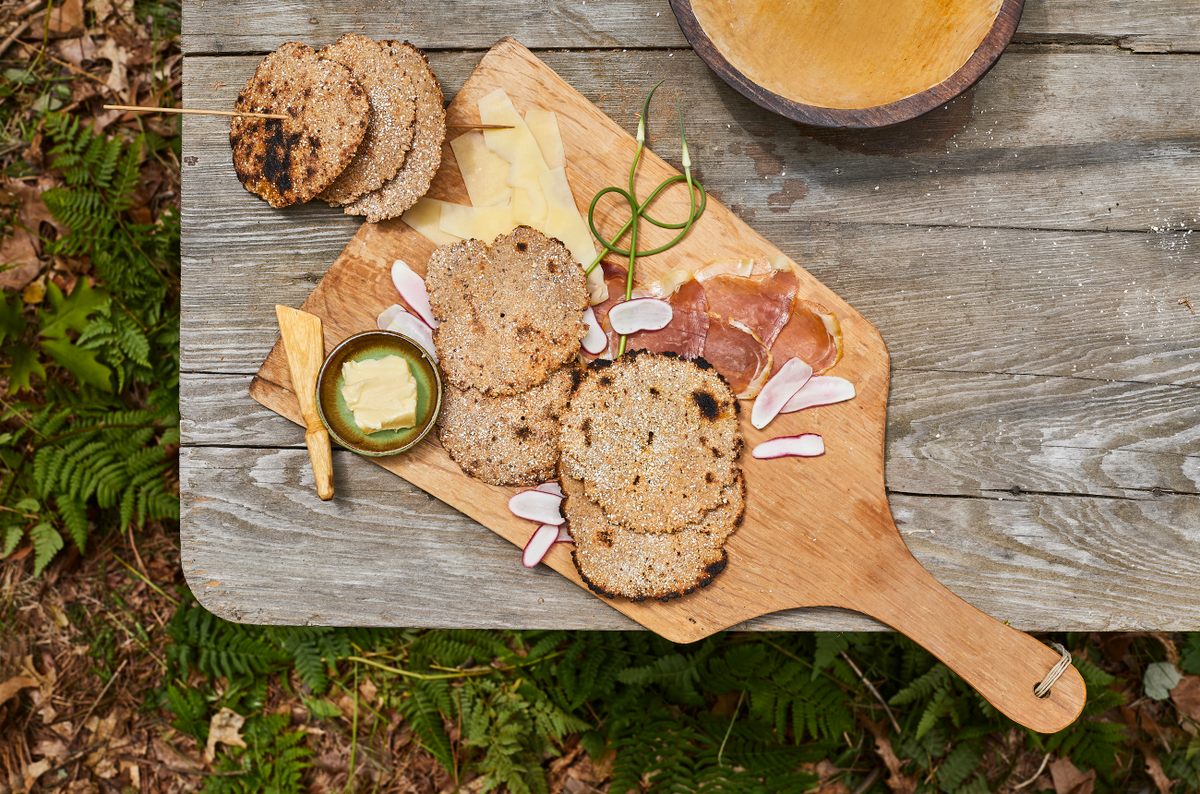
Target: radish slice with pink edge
point(539, 543)
point(411, 326)
point(539, 506)
point(806, 445)
point(596, 341)
point(387, 315)
point(782, 386)
point(564, 536)
point(820, 390)
point(412, 288)
point(551, 487)
point(640, 314)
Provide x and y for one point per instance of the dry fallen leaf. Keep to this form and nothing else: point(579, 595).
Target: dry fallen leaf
point(1069, 780)
point(1186, 696)
point(118, 78)
point(66, 20)
point(19, 249)
point(36, 770)
point(225, 727)
point(14, 685)
point(1154, 768)
point(897, 781)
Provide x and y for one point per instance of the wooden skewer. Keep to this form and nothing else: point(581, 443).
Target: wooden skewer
point(195, 111)
point(479, 126)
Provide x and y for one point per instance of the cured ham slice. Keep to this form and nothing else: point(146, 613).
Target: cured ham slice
point(811, 334)
point(763, 304)
point(738, 355)
point(690, 324)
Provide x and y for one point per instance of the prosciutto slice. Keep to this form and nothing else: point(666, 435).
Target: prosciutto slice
point(685, 334)
point(762, 304)
point(738, 355)
point(811, 334)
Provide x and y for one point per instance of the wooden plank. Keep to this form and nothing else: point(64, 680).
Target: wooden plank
point(968, 434)
point(1095, 139)
point(216, 26)
point(1000, 300)
point(260, 547)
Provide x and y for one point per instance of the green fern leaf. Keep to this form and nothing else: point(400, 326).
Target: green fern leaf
point(46, 543)
point(12, 536)
point(74, 516)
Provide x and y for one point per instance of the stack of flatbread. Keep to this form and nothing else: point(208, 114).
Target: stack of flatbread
point(650, 474)
point(510, 325)
point(364, 130)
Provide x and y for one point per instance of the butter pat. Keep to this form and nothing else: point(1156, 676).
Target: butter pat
point(381, 392)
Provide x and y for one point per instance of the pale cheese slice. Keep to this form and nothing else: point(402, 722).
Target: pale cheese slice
point(426, 217)
point(521, 150)
point(564, 222)
point(484, 172)
point(480, 223)
point(543, 124)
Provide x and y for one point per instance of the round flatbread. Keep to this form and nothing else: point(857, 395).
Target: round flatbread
point(511, 313)
point(506, 440)
point(412, 181)
point(290, 161)
point(393, 102)
point(654, 438)
point(615, 561)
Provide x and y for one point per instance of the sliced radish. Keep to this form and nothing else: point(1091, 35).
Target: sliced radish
point(782, 386)
point(539, 543)
point(820, 390)
point(387, 315)
point(411, 326)
point(596, 341)
point(807, 445)
point(551, 487)
point(540, 506)
point(564, 536)
point(412, 288)
point(640, 314)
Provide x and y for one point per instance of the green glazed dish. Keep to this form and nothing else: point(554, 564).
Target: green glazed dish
point(339, 419)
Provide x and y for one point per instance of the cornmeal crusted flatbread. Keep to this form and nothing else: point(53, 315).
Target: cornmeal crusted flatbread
point(290, 161)
point(509, 440)
point(654, 438)
point(393, 102)
point(615, 561)
point(412, 181)
point(511, 313)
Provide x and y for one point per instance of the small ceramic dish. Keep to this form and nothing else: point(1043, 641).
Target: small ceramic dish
point(339, 419)
point(831, 63)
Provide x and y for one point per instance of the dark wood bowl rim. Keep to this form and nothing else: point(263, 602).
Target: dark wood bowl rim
point(980, 62)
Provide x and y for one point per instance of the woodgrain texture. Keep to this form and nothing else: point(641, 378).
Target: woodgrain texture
point(1042, 455)
point(229, 26)
point(717, 51)
point(816, 532)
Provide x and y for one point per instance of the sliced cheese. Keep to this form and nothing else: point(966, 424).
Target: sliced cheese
point(529, 207)
point(426, 217)
point(521, 150)
point(484, 172)
point(543, 124)
point(481, 223)
point(564, 222)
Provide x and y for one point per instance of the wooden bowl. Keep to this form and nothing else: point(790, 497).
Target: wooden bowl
point(339, 419)
point(831, 63)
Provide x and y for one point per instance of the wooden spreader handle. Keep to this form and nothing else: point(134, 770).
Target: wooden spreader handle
point(1002, 663)
point(319, 452)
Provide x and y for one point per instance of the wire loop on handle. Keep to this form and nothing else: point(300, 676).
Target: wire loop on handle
point(1042, 689)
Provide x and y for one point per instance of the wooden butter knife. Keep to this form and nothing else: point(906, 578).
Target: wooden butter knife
point(304, 344)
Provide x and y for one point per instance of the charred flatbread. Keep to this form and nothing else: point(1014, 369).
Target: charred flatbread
point(616, 561)
point(509, 440)
point(654, 438)
point(412, 181)
point(290, 161)
point(393, 101)
point(510, 312)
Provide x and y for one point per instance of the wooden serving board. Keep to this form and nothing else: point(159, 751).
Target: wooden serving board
point(817, 532)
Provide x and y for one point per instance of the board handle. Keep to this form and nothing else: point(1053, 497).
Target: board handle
point(1003, 664)
point(319, 452)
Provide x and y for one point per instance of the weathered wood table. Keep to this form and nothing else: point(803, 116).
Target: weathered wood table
point(1026, 251)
